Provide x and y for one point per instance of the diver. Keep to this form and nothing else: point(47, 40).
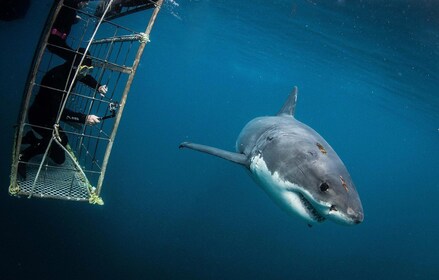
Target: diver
point(44, 110)
point(61, 28)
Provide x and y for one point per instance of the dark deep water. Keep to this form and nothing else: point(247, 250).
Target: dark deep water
point(367, 73)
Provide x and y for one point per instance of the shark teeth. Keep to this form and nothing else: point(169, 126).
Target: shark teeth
point(311, 209)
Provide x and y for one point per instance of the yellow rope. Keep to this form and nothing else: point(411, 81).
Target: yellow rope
point(93, 197)
point(14, 189)
point(144, 38)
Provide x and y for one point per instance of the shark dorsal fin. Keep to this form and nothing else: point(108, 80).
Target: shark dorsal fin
point(290, 105)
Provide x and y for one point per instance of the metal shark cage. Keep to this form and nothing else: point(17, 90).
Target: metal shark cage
point(115, 52)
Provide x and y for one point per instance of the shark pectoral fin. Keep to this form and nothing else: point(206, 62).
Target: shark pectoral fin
point(234, 157)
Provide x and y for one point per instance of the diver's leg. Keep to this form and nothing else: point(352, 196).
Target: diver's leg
point(28, 153)
point(29, 138)
point(59, 47)
point(56, 152)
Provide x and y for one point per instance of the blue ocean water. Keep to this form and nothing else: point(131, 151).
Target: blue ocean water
point(367, 74)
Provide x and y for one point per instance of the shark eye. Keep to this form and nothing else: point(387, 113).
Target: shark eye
point(324, 187)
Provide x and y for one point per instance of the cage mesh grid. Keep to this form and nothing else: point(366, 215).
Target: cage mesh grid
point(60, 182)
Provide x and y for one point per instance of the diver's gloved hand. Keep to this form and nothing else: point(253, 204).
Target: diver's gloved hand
point(92, 120)
point(103, 90)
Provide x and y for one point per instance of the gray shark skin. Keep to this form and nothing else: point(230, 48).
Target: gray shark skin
point(295, 166)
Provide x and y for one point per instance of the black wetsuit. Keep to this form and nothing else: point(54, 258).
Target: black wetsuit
point(61, 29)
point(117, 6)
point(44, 111)
point(133, 3)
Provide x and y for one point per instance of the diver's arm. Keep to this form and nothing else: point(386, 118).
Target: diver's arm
point(72, 116)
point(90, 82)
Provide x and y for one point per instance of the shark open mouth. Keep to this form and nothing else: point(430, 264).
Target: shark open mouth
point(312, 211)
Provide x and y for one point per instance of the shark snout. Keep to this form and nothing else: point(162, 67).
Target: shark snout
point(348, 216)
point(356, 216)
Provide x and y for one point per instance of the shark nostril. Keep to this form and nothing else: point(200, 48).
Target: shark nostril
point(332, 208)
point(351, 212)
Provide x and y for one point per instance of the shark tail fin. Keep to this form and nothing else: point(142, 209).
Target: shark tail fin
point(290, 105)
point(233, 157)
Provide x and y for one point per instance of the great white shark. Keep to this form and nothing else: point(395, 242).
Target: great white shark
point(295, 166)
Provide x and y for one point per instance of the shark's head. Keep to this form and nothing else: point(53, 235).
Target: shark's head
point(327, 193)
point(328, 186)
point(299, 169)
point(305, 176)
